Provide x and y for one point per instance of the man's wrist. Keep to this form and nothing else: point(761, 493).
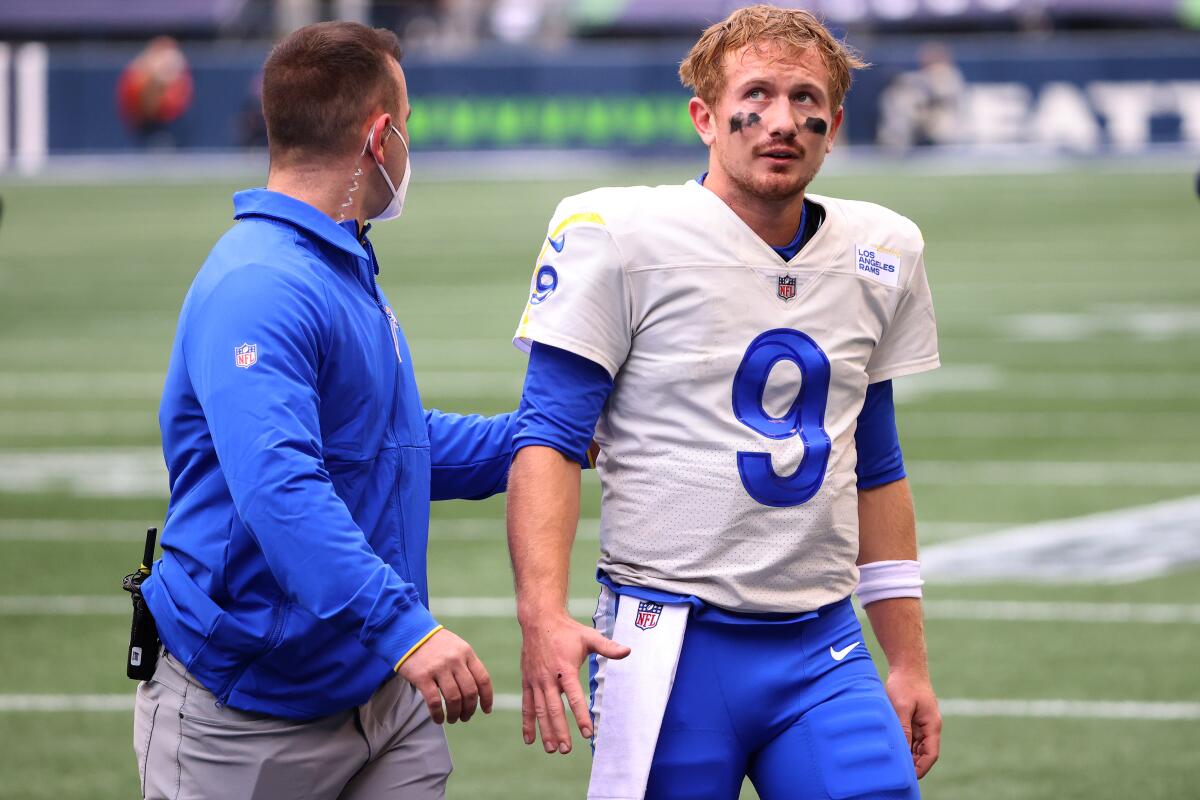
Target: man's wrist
point(538, 613)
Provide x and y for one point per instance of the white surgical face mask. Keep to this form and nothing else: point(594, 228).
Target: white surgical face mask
point(396, 206)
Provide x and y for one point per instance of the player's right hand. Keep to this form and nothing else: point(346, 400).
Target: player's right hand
point(446, 667)
point(552, 649)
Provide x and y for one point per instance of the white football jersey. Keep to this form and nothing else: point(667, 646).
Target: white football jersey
point(727, 445)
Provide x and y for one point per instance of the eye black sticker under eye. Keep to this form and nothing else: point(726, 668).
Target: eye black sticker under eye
point(817, 125)
point(739, 121)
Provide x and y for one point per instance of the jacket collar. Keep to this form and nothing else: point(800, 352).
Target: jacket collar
point(265, 203)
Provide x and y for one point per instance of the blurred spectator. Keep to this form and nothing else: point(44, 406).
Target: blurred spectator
point(154, 91)
point(251, 125)
point(525, 21)
point(924, 107)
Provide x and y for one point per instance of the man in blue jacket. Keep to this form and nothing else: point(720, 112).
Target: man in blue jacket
point(292, 586)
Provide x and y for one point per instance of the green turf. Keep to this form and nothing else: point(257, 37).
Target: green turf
point(1068, 309)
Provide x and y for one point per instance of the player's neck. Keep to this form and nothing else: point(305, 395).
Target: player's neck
point(774, 221)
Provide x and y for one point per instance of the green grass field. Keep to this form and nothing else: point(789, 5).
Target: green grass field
point(1069, 311)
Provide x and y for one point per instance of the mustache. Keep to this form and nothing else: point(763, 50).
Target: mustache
point(779, 147)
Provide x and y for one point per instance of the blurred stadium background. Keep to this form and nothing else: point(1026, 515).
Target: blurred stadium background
point(1048, 149)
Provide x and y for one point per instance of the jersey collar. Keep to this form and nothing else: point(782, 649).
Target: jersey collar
point(273, 205)
point(814, 250)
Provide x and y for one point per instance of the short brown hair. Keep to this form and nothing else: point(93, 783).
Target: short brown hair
point(321, 80)
point(703, 71)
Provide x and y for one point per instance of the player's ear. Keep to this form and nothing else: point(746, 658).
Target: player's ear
point(833, 129)
point(702, 120)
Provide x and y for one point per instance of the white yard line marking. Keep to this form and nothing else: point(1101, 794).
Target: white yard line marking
point(98, 472)
point(1073, 424)
point(140, 472)
point(475, 383)
point(443, 529)
point(118, 603)
point(1070, 709)
point(66, 702)
point(73, 530)
point(148, 385)
point(951, 707)
point(1033, 611)
point(1056, 473)
point(65, 605)
point(1043, 425)
point(61, 424)
point(950, 378)
point(1142, 322)
point(1126, 545)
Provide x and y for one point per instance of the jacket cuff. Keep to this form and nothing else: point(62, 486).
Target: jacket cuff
point(400, 636)
point(416, 647)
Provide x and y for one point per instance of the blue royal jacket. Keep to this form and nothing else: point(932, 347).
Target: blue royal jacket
point(301, 464)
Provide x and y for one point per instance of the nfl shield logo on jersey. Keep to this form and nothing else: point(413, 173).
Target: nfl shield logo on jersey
point(647, 614)
point(787, 287)
point(245, 355)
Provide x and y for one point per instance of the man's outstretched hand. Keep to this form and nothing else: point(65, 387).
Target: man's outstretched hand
point(553, 648)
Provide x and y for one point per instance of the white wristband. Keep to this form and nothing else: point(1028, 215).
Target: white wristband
point(881, 580)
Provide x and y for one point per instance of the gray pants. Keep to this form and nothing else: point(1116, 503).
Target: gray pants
point(189, 747)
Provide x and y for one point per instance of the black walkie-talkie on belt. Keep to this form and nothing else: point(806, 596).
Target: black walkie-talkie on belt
point(143, 634)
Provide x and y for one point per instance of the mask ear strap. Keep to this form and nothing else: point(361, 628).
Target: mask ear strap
point(370, 146)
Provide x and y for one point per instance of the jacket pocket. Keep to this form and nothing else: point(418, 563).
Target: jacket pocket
point(349, 479)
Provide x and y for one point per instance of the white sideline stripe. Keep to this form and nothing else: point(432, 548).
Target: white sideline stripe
point(465, 529)
point(1114, 546)
point(474, 383)
point(66, 702)
point(149, 385)
point(1033, 611)
point(1047, 425)
point(1039, 425)
point(1056, 473)
point(505, 607)
point(1070, 709)
point(140, 472)
point(73, 530)
point(950, 707)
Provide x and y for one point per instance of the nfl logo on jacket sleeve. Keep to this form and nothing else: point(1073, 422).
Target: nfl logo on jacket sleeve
point(647, 614)
point(787, 287)
point(245, 355)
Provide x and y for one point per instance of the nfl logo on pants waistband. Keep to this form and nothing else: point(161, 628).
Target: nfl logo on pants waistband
point(787, 287)
point(647, 614)
point(245, 355)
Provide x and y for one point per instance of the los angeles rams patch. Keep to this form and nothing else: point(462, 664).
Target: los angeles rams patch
point(878, 263)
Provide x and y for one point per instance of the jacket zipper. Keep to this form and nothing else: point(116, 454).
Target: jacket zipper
point(393, 330)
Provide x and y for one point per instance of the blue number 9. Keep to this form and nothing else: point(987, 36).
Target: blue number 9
point(805, 418)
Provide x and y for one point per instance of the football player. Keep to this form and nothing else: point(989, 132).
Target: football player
point(730, 344)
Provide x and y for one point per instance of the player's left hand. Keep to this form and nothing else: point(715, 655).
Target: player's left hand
point(553, 646)
point(916, 705)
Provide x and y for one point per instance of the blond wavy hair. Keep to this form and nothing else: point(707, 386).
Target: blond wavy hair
point(703, 70)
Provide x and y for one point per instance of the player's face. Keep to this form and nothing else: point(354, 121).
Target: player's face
point(762, 129)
